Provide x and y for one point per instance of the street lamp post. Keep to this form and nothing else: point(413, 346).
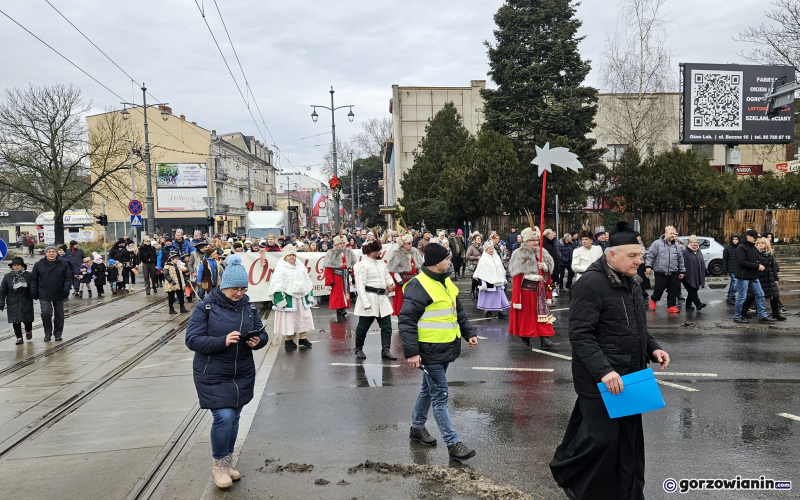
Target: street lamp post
point(352, 199)
point(151, 217)
point(350, 116)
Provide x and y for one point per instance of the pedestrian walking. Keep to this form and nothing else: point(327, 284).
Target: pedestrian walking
point(15, 295)
point(642, 271)
point(86, 277)
point(99, 273)
point(426, 239)
point(373, 284)
point(474, 252)
point(530, 310)
point(491, 273)
point(176, 282)
point(112, 273)
point(695, 277)
point(565, 251)
point(457, 249)
point(338, 263)
point(585, 255)
point(665, 259)
point(149, 257)
point(511, 239)
point(747, 268)
point(291, 294)
point(51, 281)
point(223, 332)
point(31, 243)
point(78, 257)
point(432, 324)
point(550, 244)
point(209, 273)
point(403, 264)
point(729, 268)
point(768, 278)
point(601, 458)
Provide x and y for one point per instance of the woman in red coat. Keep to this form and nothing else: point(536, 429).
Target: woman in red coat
point(339, 262)
point(403, 264)
point(530, 294)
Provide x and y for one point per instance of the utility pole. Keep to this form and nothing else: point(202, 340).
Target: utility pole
point(249, 194)
point(105, 248)
point(350, 116)
point(151, 217)
point(352, 199)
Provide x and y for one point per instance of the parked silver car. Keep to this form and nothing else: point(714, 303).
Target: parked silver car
point(712, 253)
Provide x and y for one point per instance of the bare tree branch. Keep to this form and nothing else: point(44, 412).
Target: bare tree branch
point(776, 44)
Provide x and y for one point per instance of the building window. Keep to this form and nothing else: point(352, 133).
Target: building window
point(706, 150)
point(615, 152)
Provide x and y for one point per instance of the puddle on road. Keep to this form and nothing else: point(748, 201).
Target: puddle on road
point(463, 480)
point(373, 376)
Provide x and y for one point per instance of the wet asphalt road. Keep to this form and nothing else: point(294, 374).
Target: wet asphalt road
point(721, 418)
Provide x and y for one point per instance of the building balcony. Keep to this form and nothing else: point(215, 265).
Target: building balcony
point(220, 176)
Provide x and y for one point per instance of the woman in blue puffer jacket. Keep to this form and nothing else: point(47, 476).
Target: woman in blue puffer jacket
point(224, 372)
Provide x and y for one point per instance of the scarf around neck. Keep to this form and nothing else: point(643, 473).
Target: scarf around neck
point(18, 279)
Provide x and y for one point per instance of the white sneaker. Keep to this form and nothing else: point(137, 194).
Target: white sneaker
point(555, 292)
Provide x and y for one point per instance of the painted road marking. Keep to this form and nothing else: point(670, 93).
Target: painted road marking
point(683, 374)
point(789, 415)
point(562, 309)
point(683, 387)
point(483, 338)
point(365, 364)
point(552, 354)
point(504, 369)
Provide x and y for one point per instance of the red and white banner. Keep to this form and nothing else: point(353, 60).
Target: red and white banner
point(259, 275)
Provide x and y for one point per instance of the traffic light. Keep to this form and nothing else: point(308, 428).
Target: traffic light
point(249, 205)
point(209, 221)
point(102, 220)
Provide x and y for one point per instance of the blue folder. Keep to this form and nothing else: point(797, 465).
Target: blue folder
point(640, 394)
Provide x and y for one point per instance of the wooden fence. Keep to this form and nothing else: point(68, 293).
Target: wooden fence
point(783, 223)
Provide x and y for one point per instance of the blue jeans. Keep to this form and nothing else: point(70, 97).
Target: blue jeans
point(734, 286)
point(224, 430)
point(753, 286)
point(434, 391)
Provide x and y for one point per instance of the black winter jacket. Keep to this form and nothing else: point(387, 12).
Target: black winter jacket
point(607, 328)
point(99, 272)
point(147, 254)
point(746, 261)
point(51, 280)
point(415, 300)
point(769, 275)
point(18, 301)
point(729, 255)
point(565, 254)
point(224, 376)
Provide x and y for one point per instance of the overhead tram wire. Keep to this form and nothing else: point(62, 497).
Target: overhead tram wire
point(247, 104)
point(303, 138)
point(62, 55)
point(125, 73)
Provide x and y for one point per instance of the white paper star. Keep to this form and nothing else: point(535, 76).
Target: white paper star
point(546, 158)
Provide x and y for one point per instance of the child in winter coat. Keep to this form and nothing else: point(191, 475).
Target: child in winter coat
point(187, 275)
point(99, 272)
point(86, 277)
point(121, 288)
point(111, 275)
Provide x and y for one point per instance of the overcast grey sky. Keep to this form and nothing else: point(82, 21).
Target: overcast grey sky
point(292, 52)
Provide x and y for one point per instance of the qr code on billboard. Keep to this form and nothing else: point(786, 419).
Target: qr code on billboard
point(717, 101)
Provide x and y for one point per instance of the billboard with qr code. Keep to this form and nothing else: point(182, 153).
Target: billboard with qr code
point(721, 104)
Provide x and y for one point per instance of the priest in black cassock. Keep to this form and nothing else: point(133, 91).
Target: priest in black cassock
point(603, 458)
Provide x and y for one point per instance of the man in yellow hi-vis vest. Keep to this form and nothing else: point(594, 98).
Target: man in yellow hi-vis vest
point(432, 324)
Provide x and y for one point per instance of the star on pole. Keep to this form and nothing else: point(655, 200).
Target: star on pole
point(562, 157)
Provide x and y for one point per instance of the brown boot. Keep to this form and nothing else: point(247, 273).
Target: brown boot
point(233, 473)
point(220, 474)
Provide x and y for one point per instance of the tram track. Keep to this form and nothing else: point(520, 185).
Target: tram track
point(74, 340)
point(9, 332)
point(69, 406)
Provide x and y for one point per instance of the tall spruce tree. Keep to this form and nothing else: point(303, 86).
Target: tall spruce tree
point(444, 138)
point(539, 74)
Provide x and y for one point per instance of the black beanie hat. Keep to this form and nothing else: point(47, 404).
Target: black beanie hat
point(434, 253)
point(622, 234)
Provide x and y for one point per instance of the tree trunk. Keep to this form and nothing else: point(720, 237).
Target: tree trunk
point(58, 226)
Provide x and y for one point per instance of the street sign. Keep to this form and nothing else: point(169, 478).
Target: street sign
point(135, 207)
point(792, 166)
point(3, 249)
point(136, 221)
